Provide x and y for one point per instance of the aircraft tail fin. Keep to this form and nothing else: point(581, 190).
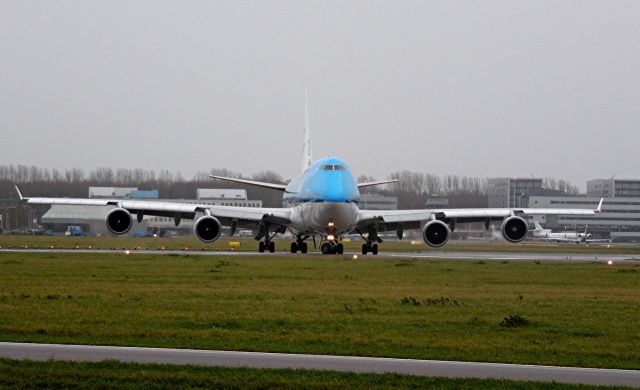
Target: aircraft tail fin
point(19, 193)
point(599, 208)
point(306, 148)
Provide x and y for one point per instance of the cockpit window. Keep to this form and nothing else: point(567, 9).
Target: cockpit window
point(332, 168)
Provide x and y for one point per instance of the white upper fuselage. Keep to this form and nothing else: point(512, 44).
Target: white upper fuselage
point(547, 235)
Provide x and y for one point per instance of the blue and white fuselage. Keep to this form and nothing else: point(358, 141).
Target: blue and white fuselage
point(324, 199)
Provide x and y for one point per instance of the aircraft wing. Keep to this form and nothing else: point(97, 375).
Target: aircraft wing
point(376, 183)
point(278, 216)
point(273, 186)
point(412, 218)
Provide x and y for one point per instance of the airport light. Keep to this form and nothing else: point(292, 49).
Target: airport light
point(609, 262)
point(355, 257)
point(127, 252)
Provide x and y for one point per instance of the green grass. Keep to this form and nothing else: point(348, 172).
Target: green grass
point(28, 374)
point(249, 244)
point(575, 314)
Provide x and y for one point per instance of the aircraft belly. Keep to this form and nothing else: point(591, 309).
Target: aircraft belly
point(316, 216)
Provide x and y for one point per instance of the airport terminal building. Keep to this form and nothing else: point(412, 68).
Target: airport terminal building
point(373, 201)
point(508, 192)
point(619, 219)
point(613, 188)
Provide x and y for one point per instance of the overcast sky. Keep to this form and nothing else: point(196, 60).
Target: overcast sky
point(482, 88)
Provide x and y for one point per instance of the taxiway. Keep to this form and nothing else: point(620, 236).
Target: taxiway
point(451, 255)
point(451, 369)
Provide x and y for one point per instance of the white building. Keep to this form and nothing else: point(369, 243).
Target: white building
point(510, 192)
point(225, 197)
point(378, 202)
point(619, 219)
point(613, 188)
point(110, 192)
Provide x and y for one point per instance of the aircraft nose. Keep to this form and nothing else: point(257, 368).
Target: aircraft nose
point(337, 188)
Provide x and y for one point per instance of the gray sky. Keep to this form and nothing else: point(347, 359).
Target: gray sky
point(483, 88)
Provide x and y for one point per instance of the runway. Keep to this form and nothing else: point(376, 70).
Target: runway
point(451, 369)
point(453, 255)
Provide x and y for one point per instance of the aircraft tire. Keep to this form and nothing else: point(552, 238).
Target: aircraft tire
point(272, 247)
point(294, 247)
point(365, 249)
point(261, 247)
point(340, 249)
point(326, 248)
point(303, 247)
point(374, 249)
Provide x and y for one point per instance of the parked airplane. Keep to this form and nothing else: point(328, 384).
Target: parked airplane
point(547, 235)
point(321, 202)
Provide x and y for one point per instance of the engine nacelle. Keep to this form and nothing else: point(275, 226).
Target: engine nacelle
point(119, 221)
point(435, 233)
point(514, 229)
point(207, 229)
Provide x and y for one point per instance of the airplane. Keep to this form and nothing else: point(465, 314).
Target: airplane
point(321, 202)
point(547, 235)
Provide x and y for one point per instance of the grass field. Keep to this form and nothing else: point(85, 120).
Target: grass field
point(559, 314)
point(15, 374)
point(249, 244)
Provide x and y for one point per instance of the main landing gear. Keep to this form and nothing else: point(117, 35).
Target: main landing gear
point(299, 244)
point(368, 247)
point(371, 241)
point(267, 244)
point(270, 246)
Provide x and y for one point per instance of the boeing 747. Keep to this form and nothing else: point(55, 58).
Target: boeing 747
point(321, 202)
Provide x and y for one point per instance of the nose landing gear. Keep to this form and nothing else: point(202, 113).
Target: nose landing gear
point(331, 248)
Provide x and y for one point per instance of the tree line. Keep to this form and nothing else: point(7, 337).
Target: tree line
point(413, 189)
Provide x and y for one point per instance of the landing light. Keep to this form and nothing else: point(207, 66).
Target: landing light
point(331, 237)
point(331, 224)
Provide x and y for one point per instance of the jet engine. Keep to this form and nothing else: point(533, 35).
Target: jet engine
point(514, 229)
point(207, 229)
point(119, 221)
point(435, 233)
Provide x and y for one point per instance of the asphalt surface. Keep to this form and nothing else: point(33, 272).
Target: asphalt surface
point(451, 369)
point(455, 255)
